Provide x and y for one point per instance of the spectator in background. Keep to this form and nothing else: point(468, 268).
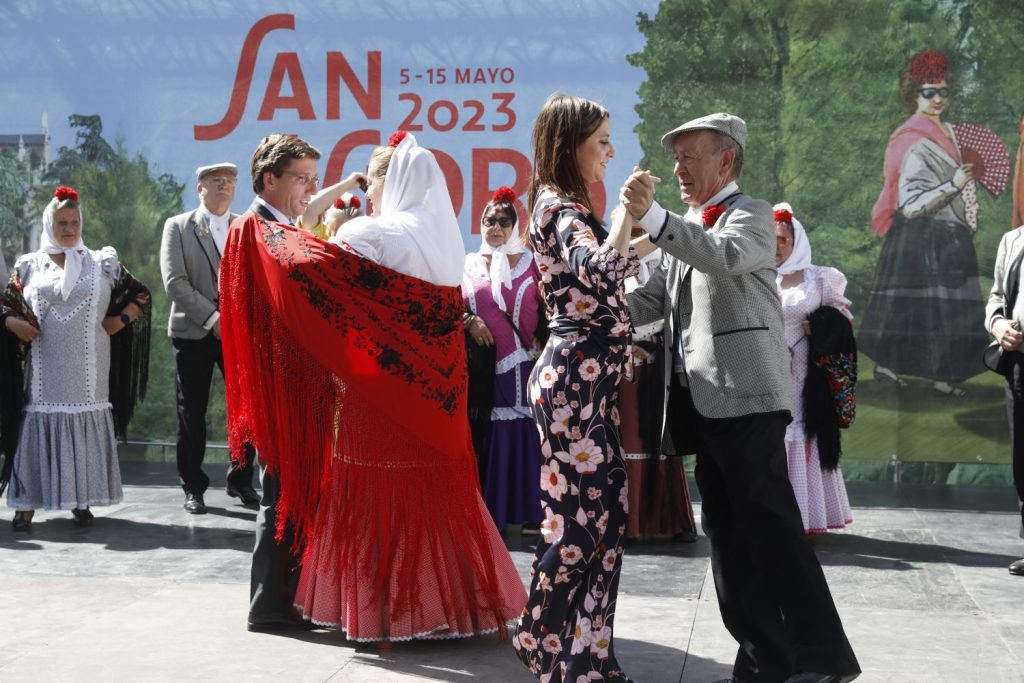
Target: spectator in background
point(85, 322)
point(817, 478)
point(190, 252)
point(499, 289)
point(1003, 317)
point(659, 495)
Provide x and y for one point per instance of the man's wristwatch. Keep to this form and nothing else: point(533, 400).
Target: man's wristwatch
point(125, 319)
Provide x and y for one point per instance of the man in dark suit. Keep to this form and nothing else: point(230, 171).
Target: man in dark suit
point(728, 400)
point(1003, 316)
point(190, 253)
point(284, 179)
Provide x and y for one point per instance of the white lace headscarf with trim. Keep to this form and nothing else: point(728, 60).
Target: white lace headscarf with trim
point(73, 256)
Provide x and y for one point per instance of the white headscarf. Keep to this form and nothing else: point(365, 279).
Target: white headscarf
point(501, 271)
point(800, 258)
point(72, 255)
point(416, 203)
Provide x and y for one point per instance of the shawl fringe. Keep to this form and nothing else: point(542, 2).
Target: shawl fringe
point(349, 380)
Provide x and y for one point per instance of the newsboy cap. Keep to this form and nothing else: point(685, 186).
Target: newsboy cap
point(733, 126)
point(225, 166)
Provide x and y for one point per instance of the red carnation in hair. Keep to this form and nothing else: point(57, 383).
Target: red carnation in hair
point(63, 192)
point(783, 216)
point(504, 195)
point(929, 66)
point(353, 202)
point(396, 138)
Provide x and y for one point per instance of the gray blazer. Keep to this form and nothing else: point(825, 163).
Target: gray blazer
point(716, 290)
point(1007, 276)
point(190, 264)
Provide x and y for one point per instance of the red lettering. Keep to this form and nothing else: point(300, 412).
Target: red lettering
point(243, 76)
point(342, 148)
point(286, 63)
point(452, 177)
point(368, 98)
point(482, 190)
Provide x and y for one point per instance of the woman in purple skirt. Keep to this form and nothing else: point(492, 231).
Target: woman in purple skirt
point(499, 286)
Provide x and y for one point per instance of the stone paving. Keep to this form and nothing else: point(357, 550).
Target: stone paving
point(150, 593)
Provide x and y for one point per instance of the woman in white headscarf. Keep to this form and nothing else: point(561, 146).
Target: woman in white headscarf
point(380, 481)
point(503, 304)
point(804, 287)
point(64, 303)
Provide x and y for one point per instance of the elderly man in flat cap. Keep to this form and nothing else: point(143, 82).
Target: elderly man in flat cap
point(728, 401)
point(190, 262)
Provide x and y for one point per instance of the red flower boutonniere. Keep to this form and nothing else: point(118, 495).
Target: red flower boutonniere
point(712, 214)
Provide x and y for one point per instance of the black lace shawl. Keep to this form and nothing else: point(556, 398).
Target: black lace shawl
point(828, 392)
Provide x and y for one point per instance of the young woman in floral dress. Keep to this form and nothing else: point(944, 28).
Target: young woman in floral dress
point(566, 628)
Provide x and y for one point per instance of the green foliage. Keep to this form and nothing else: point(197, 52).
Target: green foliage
point(15, 191)
point(124, 205)
point(818, 83)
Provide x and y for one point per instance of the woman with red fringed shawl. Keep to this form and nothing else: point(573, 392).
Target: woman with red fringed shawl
point(921, 317)
point(380, 479)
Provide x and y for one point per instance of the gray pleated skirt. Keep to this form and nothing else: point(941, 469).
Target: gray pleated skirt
point(65, 461)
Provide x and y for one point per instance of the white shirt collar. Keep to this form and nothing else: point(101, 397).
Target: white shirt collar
point(730, 189)
point(281, 218)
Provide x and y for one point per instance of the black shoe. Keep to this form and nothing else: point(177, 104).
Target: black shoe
point(82, 517)
point(1017, 568)
point(278, 625)
point(22, 521)
point(811, 677)
point(247, 494)
point(194, 504)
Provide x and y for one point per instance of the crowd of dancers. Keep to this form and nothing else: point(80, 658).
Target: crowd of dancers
point(405, 403)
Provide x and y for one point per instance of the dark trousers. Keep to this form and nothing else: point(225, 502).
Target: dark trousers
point(1015, 414)
point(275, 570)
point(194, 360)
point(771, 591)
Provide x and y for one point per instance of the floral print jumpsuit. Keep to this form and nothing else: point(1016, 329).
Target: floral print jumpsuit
point(565, 632)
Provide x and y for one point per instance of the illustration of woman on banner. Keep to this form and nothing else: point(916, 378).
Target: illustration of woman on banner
point(921, 317)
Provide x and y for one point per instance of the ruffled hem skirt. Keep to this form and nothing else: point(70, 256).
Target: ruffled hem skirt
point(821, 494)
point(65, 461)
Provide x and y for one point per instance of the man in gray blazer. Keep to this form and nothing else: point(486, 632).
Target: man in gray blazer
point(190, 262)
point(729, 395)
point(1003, 316)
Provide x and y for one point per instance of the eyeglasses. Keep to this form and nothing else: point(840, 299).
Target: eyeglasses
point(505, 222)
point(929, 93)
point(221, 181)
point(304, 178)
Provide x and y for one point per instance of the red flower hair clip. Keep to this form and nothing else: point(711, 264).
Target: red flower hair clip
point(783, 216)
point(712, 214)
point(63, 192)
point(504, 195)
point(929, 66)
point(396, 138)
point(353, 203)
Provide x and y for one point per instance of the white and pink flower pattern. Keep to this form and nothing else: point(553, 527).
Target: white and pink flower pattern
point(574, 394)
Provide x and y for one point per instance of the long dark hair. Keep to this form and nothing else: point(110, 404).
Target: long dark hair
point(563, 123)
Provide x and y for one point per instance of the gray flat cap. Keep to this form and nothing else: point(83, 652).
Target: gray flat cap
point(225, 166)
point(733, 126)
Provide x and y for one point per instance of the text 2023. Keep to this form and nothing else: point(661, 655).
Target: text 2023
point(444, 115)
